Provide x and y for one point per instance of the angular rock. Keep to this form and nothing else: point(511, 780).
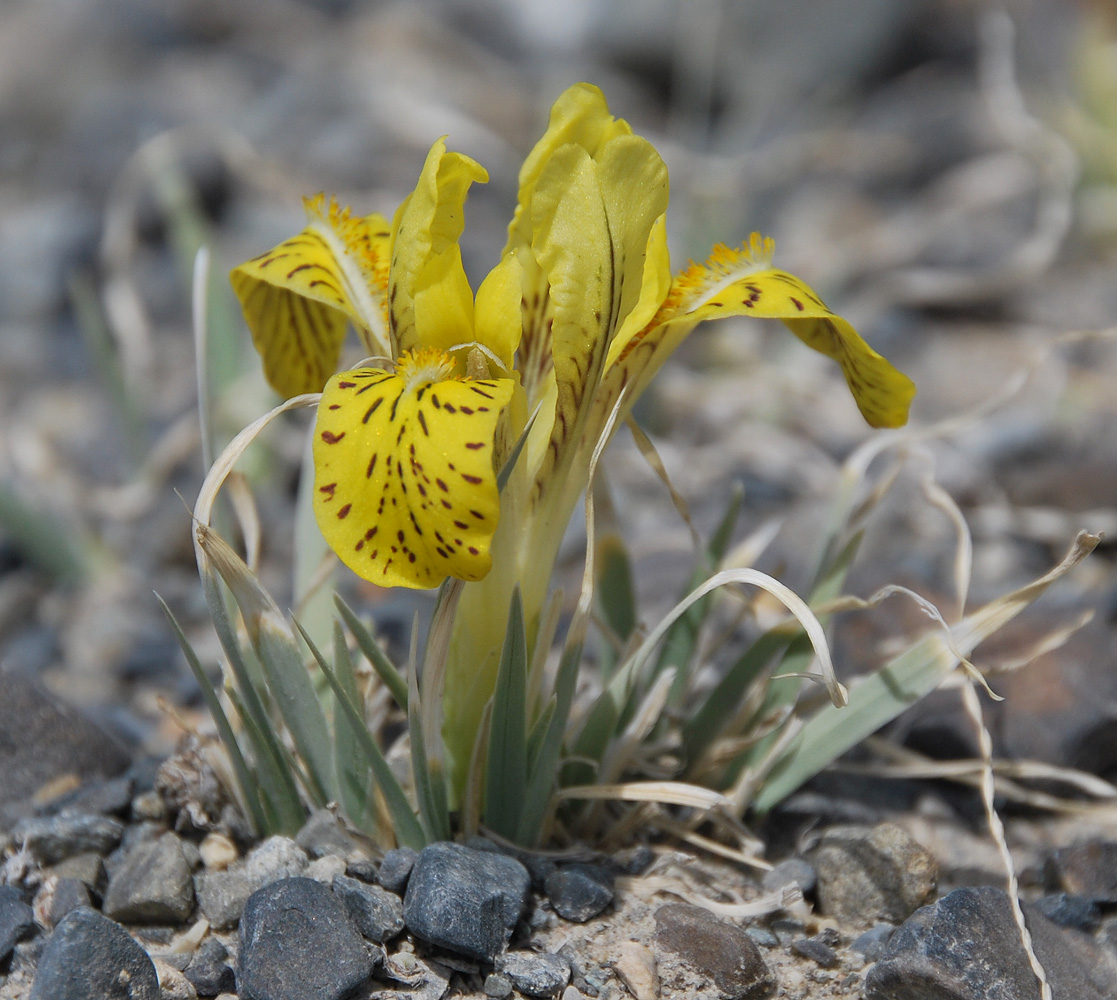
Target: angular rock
point(395, 868)
point(16, 919)
point(465, 900)
point(967, 947)
point(636, 966)
point(535, 975)
point(88, 868)
point(871, 943)
point(222, 895)
point(870, 874)
point(816, 950)
point(1080, 912)
point(297, 941)
point(322, 834)
point(54, 838)
point(173, 985)
point(45, 739)
point(277, 857)
point(579, 892)
point(718, 951)
point(152, 885)
point(89, 957)
point(68, 895)
point(377, 913)
point(1088, 869)
point(208, 971)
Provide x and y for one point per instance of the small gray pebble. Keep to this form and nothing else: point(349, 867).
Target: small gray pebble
point(377, 913)
point(794, 871)
point(395, 868)
point(497, 985)
point(152, 884)
point(763, 937)
point(16, 919)
point(69, 894)
point(322, 834)
point(208, 971)
point(579, 892)
point(816, 950)
point(872, 943)
point(1078, 912)
point(53, 838)
point(541, 975)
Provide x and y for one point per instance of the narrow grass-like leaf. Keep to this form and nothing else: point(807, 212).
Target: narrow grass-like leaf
point(287, 677)
point(408, 828)
point(615, 595)
point(682, 640)
point(882, 696)
point(248, 788)
point(430, 784)
point(543, 773)
point(349, 759)
point(368, 645)
point(506, 760)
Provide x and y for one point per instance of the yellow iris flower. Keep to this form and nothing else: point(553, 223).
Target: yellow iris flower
point(580, 312)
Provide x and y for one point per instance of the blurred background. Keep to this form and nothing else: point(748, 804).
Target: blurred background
point(943, 172)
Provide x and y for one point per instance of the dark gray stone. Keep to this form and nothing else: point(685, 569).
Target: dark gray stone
point(88, 868)
point(1088, 869)
point(967, 947)
point(16, 919)
point(68, 895)
point(89, 957)
point(535, 975)
point(718, 951)
point(208, 971)
point(152, 885)
point(1079, 912)
point(871, 943)
point(44, 739)
point(322, 834)
point(497, 985)
point(793, 871)
point(377, 913)
point(465, 900)
point(297, 941)
point(817, 951)
point(395, 868)
point(53, 838)
point(103, 796)
point(579, 892)
point(870, 874)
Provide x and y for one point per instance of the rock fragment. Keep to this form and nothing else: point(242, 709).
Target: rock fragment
point(376, 913)
point(152, 885)
point(579, 892)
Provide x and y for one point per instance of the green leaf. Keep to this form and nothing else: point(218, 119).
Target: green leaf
point(430, 783)
point(543, 775)
point(614, 593)
point(349, 759)
point(506, 763)
point(249, 789)
point(408, 829)
point(368, 645)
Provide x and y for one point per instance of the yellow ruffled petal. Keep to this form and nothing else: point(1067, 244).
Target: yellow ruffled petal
point(298, 297)
point(405, 490)
point(592, 219)
point(579, 117)
point(431, 301)
point(743, 283)
point(498, 314)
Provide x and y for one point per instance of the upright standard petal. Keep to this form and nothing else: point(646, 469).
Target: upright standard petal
point(743, 283)
point(430, 298)
point(405, 489)
point(298, 297)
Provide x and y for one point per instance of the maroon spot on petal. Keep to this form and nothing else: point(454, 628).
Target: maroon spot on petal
point(335, 406)
point(475, 480)
point(372, 409)
point(346, 385)
point(473, 551)
point(344, 512)
point(331, 438)
point(467, 410)
point(474, 445)
point(411, 557)
point(371, 534)
point(798, 305)
point(449, 408)
point(442, 486)
point(371, 465)
point(374, 553)
point(435, 400)
point(360, 545)
point(441, 551)
point(447, 505)
point(423, 424)
point(462, 525)
point(400, 536)
point(328, 489)
point(477, 514)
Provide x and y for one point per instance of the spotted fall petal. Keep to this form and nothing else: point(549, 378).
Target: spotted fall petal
point(405, 489)
point(299, 297)
point(743, 283)
point(430, 298)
